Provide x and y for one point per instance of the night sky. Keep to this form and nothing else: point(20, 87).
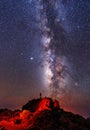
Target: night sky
point(45, 47)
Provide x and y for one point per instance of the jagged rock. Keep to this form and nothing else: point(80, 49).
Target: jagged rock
point(41, 104)
point(31, 105)
point(42, 114)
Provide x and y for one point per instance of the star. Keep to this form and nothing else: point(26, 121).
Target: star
point(31, 58)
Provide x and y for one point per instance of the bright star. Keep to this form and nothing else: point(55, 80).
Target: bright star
point(31, 58)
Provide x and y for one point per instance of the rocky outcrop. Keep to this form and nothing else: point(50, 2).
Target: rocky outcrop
point(42, 114)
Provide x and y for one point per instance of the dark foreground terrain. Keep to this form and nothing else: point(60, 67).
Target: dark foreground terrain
point(42, 114)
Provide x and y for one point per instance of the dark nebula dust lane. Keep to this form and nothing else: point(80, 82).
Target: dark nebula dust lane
point(55, 65)
point(45, 47)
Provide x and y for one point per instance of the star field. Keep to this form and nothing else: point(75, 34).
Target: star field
point(22, 53)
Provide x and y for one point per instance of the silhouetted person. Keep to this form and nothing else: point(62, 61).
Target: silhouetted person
point(40, 95)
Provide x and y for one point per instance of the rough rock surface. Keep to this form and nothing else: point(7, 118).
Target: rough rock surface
point(42, 114)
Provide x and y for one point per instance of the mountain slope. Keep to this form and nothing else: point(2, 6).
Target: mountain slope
point(42, 114)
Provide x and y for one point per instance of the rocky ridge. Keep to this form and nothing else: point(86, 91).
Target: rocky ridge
point(42, 114)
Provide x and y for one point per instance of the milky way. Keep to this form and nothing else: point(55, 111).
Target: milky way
point(55, 65)
point(45, 47)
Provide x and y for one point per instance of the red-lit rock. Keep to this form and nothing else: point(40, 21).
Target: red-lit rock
point(56, 104)
point(42, 114)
